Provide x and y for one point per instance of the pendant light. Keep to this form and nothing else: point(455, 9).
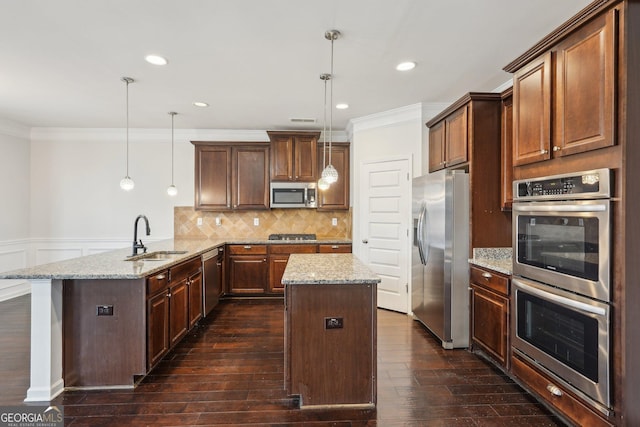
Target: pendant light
point(322, 183)
point(329, 173)
point(127, 183)
point(172, 190)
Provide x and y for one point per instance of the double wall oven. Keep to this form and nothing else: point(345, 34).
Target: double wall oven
point(561, 280)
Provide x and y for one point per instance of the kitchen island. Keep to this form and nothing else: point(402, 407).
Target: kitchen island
point(330, 331)
point(105, 335)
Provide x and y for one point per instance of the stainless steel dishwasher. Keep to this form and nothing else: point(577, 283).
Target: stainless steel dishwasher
point(212, 278)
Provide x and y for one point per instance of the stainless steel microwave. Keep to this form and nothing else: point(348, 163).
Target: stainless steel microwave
point(293, 195)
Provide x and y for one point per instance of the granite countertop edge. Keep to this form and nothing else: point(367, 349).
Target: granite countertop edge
point(496, 259)
point(327, 269)
point(114, 264)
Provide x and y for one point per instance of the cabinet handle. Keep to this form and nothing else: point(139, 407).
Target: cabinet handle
point(335, 247)
point(544, 151)
point(554, 390)
point(487, 275)
point(168, 294)
point(247, 247)
point(161, 277)
point(556, 148)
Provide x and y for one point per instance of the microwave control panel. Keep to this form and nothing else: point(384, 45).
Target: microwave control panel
point(582, 185)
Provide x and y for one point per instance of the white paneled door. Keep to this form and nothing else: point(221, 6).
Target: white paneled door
point(385, 206)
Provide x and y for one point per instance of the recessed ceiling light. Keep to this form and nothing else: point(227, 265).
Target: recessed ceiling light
point(200, 104)
point(156, 60)
point(406, 66)
point(342, 106)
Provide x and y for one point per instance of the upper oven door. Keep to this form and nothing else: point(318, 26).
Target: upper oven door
point(565, 244)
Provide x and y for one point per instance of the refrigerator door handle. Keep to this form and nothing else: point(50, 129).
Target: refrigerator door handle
point(419, 235)
point(424, 253)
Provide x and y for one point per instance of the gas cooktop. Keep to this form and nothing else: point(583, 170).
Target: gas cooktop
point(292, 237)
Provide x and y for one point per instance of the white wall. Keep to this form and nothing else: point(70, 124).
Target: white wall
point(14, 213)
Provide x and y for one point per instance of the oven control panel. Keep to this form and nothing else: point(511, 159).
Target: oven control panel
point(581, 185)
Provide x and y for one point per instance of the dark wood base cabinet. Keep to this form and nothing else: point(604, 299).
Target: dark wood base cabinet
point(556, 396)
point(330, 344)
point(490, 314)
point(116, 331)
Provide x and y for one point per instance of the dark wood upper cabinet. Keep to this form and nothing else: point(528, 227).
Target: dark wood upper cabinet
point(231, 176)
point(506, 150)
point(532, 112)
point(448, 140)
point(293, 156)
point(436, 147)
point(336, 197)
point(584, 95)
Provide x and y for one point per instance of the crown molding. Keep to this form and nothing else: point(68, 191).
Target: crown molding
point(9, 128)
point(144, 135)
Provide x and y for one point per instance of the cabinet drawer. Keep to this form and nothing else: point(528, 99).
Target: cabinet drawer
point(293, 249)
point(248, 249)
point(548, 390)
point(185, 269)
point(338, 249)
point(157, 282)
point(489, 279)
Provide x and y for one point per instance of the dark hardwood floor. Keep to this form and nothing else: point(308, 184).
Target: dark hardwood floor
point(230, 372)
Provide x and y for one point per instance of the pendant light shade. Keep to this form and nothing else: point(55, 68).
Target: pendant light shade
point(172, 190)
point(127, 183)
point(329, 173)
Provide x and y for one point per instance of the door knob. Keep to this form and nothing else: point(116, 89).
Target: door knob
point(365, 241)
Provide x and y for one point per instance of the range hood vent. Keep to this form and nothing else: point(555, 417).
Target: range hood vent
point(302, 120)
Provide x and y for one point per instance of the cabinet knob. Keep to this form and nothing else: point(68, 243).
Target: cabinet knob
point(487, 275)
point(544, 151)
point(554, 390)
point(556, 148)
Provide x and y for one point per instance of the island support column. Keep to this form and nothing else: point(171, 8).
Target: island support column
point(46, 341)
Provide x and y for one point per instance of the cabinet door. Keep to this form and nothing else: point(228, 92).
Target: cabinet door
point(506, 153)
point(436, 147)
point(248, 274)
point(532, 112)
point(195, 298)
point(157, 328)
point(585, 88)
point(336, 197)
point(490, 323)
point(178, 311)
point(251, 178)
point(305, 158)
point(277, 265)
point(281, 158)
point(456, 137)
point(213, 178)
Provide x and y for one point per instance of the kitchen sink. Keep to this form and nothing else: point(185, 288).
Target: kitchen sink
point(155, 256)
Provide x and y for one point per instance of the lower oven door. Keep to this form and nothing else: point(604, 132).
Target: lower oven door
point(566, 335)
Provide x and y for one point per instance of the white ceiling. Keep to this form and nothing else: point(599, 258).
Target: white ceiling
point(256, 62)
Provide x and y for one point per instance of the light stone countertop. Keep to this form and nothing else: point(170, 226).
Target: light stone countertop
point(317, 269)
point(496, 259)
point(114, 264)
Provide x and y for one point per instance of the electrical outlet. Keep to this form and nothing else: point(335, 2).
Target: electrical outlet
point(256, 221)
point(218, 221)
point(199, 222)
point(334, 221)
point(104, 310)
point(333, 323)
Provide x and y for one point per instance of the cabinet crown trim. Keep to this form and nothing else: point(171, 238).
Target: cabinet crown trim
point(471, 96)
point(556, 35)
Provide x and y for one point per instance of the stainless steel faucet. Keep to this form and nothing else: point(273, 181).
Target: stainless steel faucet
point(138, 244)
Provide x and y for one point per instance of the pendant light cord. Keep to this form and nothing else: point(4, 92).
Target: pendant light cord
point(172, 115)
point(127, 81)
point(331, 104)
point(324, 77)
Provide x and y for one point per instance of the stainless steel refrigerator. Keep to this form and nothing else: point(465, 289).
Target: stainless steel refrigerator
point(440, 254)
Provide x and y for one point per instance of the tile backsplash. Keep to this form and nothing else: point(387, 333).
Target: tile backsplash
point(240, 224)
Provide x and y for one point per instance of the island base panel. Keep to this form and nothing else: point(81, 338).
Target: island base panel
point(103, 347)
point(330, 339)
